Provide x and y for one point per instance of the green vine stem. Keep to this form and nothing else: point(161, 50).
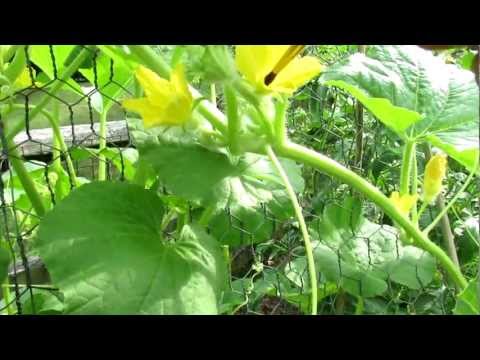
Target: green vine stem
point(331, 167)
point(56, 154)
point(414, 185)
point(228, 262)
point(280, 122)
point(213, 94)
point(423, 207)
point(7, 297)
point(303, 227)
point(102, 144)
point(233, 119)
point(248, 291)
point(408, 152)
point(207, 214)
point(25, 179)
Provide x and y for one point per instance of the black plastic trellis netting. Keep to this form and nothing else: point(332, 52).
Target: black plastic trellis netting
point(267, 277)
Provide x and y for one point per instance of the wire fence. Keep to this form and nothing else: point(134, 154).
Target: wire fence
point(268, 277)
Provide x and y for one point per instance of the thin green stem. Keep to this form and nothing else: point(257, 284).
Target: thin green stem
point(150, 58)
point(280, 126)
point(303, 227)
point(7, 297)
point(408, 151)
point(213, 94)
point(25, 179)
point(212, 114)
point(102, 144)
point(360, 306)
point(233, 119)
point(450, 204)
point(414, 185)
point(57, 134)
point(52, 91)
point(248, 291)
point(422, 210)
point(247, 92)
point(331, 167)
point(56, 154)
point(207, 214)
point(226, 256)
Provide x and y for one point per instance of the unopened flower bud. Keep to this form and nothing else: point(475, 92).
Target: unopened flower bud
point(434, 174)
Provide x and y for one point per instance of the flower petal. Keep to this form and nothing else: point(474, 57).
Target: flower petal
point(256, 61)
point(177, 112)
point(177, 78)
point(435, 171)
point(296, 74)
point(150, 114)
point(155, 88)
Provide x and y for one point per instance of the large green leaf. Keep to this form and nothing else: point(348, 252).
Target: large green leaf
point(210, 178)
point(360, 255)
point(394, 117)
point(412, 82)
point(103, 248)
point(468, 301)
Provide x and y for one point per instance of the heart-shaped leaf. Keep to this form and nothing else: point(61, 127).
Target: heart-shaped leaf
point(104, 249)
point(415, 94)
point(208, 177)
point(251, 191)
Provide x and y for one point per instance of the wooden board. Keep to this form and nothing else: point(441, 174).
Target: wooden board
point(41, 140)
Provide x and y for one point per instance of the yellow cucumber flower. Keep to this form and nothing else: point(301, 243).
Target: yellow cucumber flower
point(166, 102)
point(257, 62)
point(434, 174)
point(403, 203)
